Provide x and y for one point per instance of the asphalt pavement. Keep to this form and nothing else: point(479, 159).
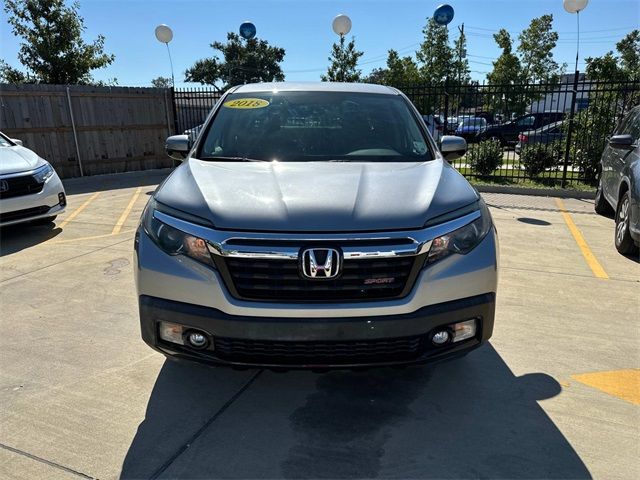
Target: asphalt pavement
point(555, 394)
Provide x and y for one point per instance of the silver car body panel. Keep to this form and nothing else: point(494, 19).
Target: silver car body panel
point(185, 280)
point(316, 196)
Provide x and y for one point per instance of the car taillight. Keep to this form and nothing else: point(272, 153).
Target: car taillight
point(523, 138)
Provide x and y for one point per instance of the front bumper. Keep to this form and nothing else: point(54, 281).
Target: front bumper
point(26, 208)
point(179, 290)
point(308, 331)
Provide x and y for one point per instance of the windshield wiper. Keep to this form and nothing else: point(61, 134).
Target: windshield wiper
point(231, 159)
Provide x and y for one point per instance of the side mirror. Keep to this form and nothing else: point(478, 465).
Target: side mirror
point(453, 147)
point(16, 141)
point(621, 141)
point(177, 147)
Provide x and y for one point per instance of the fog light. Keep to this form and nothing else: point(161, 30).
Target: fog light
point(62, 200)
point(464, 330)
point(171, 332)
point(441, 337)
point(197, 340)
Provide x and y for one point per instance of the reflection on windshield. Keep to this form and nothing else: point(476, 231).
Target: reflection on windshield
point(312, 126)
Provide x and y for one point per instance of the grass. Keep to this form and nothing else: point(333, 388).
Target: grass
point(542, 183)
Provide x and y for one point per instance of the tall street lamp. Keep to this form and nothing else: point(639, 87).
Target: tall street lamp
point(576, 6)
point(164, 35)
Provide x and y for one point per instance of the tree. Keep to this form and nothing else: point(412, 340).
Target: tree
point(377, 75)
point(605, 68)
point(629, 50)
point(344, 62)
point(435, 54)
point(52, 50)
point(162, 82)
point(537, 42)
point(506, 72)
point(619, 67)
point(244, 61)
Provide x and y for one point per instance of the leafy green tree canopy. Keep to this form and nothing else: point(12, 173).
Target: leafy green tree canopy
point(162, 82)
point(537, 42)
point(52, 50)
point(506, 68)
point(616, 68)
point(343, 66)
point(435, 54)
point(399, 71)
point(629, 51)
point(244, 61)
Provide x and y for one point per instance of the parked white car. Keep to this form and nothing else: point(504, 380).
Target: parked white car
point(30, 189)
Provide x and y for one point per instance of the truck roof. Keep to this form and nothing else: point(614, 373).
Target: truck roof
point(315, 87)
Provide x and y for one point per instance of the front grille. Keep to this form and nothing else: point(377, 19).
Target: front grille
point(19, 186)
point(281, 280)
point(20, 214)
point(319, 352)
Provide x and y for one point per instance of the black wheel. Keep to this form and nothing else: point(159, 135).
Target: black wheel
point(44, 221)
point(624, 242)
point(602, 207)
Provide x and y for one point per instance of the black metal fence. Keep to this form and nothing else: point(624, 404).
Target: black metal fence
point(192, 105)
point(548, 133)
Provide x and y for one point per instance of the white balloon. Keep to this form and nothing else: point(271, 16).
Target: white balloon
point(574, 6)
point(164, 34)
point(341, 24)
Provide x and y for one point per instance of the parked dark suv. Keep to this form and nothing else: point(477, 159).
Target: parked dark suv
point(508, 132)
point(619, 187)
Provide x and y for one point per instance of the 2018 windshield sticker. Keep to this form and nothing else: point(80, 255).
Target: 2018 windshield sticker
point(246, 103)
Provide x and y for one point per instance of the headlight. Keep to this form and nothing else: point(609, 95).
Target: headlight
point(43, 173)
point(462, 240)
point(173, 241)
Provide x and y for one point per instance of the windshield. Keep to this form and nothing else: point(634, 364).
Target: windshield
point(473, 122)
point(315, 126)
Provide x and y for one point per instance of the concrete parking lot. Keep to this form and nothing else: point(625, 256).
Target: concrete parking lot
point(556, 393)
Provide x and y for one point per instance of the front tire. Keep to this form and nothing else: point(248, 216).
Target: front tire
point(602, 207)
point(624, 242)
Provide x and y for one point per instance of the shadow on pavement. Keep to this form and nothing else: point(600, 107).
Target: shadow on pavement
point(115, 181)
point(18, 237)
point(467, 418)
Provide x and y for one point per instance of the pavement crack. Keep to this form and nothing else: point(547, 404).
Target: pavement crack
point(206, 425)
point(46, 462)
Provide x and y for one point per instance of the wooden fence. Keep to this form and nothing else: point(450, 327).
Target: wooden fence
point(88, 130)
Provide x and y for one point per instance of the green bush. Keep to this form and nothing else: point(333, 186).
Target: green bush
point(537, 157)
point(485, 157)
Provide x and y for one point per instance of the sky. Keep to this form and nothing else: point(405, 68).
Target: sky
point(303, 28)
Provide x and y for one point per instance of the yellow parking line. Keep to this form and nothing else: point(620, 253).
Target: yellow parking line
point(78, 210)
point(123, 218)
point(80, 239)
point(624, 384)
point(588, 255)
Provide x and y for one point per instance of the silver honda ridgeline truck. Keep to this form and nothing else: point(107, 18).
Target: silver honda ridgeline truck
point(311, 226)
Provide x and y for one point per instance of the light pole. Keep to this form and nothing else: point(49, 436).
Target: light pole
point(341, 26)
point(576, 6)
point(164, 35)
point(572, 6)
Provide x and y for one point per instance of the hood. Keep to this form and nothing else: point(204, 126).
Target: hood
point(316, 196)
point(18, 159)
